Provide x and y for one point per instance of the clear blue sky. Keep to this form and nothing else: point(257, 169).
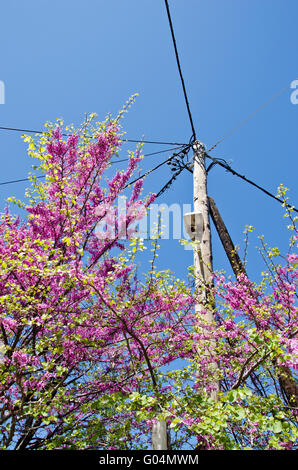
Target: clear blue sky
point(66, 58)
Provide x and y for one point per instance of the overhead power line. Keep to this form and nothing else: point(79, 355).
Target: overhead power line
point(178, 165)
point(33, 131)
point(115, 162)
point(19, 180)
point(170, 182)
point(155, 168)
point(153, 142)
point(151, 154)
point(227, 167)
point(180, 70)
point(249, 117)
point(148, 172)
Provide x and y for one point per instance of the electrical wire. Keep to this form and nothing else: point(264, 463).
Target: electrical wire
point(114, 162)
point(153, 169)
point(32, 131)
point(20, 180)
point(250, 116)
point(180, 70)
point(181, 166)
point(170, 182)
point(153, 142)
point(224, 164)
point(150, 154)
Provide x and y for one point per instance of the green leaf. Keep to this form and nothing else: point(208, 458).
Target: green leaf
point(277, 427)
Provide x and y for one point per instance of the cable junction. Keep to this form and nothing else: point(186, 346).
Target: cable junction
point(172, 160)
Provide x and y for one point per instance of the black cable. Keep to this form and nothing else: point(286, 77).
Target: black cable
point(20, 180)
point(153, 142)
point(150, 154)
point(169, 183)
point(227, 167)
point(173, 178)
point(16, 129)
point(117, 161)
point(180, 71)
point(152, 169)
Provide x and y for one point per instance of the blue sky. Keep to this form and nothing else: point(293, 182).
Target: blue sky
point(66, 58)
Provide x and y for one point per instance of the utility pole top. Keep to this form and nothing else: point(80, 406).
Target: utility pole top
point(198, 147)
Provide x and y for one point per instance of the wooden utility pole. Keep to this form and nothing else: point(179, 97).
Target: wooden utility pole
point(226, 240)
point(202, 256)
point(159, 435)
point(203, 252)
point(203, 269)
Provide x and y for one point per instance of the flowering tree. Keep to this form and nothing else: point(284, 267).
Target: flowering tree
point(91, 355)
point(76, 326)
